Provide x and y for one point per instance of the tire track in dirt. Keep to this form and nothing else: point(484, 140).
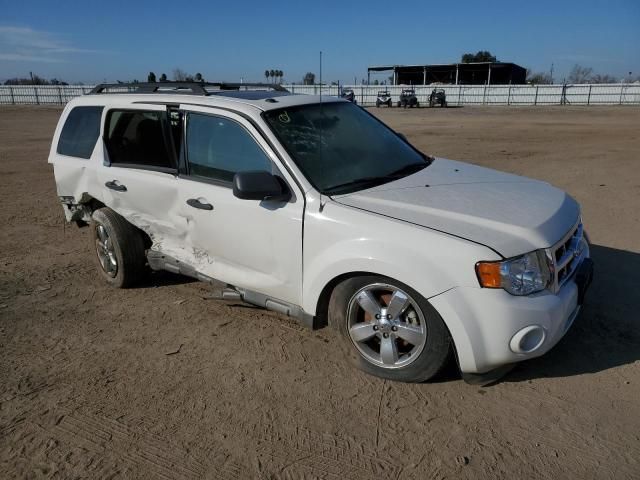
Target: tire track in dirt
point(138, 447)
point(327, 455)
point(276, 451)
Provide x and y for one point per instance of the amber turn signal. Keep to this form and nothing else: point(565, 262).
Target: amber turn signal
point(489, 274)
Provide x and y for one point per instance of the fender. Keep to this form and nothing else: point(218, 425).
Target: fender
point(340, 240)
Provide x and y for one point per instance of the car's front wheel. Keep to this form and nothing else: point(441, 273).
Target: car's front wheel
point(119, 248)
point(389, 329)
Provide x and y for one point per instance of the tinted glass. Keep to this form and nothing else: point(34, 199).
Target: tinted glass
point(340, 148)
point(217, 148)
point(136, 138)
point(80, 132)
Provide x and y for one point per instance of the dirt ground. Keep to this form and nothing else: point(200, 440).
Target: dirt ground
point(163, 381)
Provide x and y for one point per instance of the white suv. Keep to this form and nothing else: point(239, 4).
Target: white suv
point(313, 208)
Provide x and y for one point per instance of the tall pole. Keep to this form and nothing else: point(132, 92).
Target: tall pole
point(320, 76)
point(551, 74)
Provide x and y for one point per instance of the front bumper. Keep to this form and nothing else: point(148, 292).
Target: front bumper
point(491, 328)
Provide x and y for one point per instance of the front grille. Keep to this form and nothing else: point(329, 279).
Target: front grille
point(566, 255)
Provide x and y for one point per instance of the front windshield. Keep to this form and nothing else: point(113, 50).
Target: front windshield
point(340, 148)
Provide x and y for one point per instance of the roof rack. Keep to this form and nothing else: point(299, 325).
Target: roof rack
point(187, 88)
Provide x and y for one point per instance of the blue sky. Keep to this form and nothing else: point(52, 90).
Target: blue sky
point(113, 40)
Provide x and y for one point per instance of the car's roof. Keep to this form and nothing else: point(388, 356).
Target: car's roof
point(245, 101)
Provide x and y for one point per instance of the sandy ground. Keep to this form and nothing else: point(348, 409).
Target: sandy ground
point(164, 382)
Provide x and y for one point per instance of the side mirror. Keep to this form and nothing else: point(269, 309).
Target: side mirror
point(260, 185)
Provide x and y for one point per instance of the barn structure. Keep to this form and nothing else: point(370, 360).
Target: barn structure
point(480, 73)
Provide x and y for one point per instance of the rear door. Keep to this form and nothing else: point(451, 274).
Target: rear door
point(139, 174)
point(250, 244)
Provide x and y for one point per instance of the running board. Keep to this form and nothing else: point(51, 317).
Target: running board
point(160, 261)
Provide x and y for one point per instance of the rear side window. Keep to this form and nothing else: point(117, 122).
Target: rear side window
point(217, 148)
point(135, 138)
point(80, 132)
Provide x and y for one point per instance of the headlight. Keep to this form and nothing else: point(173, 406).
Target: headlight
point(521, 275)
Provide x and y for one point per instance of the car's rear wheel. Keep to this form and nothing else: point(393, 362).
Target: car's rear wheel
point(119, 248)
point(389, 329)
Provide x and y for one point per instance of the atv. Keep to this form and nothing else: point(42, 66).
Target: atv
point(384, 98)
point(348, 94)
point(438, 97)
point(408, 99)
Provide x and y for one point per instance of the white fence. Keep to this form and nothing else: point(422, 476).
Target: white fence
point(600, 94)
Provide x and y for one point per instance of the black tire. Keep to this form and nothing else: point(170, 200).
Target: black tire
point(389, 104)
point(378, 103)
point(126, 246)
point(429, 362)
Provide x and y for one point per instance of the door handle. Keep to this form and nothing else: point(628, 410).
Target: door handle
point(196, 203)
point(114, 185)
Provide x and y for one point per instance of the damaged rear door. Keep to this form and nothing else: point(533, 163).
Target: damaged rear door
point(139, 174)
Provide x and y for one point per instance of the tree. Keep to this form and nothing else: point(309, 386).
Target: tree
point(481, 56)
point(598, 78)
point(266, 74)
point(580, 74)
point(280, 75)
point(198, 77)
point(538, 78)
point(163, 77)
point(151, 78)
point(179, 75)
point(34, 80)
point(309, 79)
point(272, 73)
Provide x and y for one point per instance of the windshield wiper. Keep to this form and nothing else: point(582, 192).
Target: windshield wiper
point(407, 170)
point(368, 182)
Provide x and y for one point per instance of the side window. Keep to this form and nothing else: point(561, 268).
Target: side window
point(217, 148)
point(135, 138)
point(80, 132)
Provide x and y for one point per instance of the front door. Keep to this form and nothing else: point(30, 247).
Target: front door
point(251, 244)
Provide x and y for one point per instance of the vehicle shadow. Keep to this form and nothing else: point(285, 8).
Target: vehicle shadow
point(606, 334)
point(162, 278)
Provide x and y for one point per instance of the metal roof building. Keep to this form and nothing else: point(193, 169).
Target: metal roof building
point(481, 73)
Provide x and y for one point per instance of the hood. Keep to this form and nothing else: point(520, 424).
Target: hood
point(508, 213)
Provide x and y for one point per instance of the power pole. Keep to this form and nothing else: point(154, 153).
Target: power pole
point(551, 73)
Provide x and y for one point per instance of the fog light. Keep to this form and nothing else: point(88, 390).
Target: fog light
point(528, 340)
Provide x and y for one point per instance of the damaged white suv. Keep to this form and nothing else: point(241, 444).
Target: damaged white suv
point(314, 208)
